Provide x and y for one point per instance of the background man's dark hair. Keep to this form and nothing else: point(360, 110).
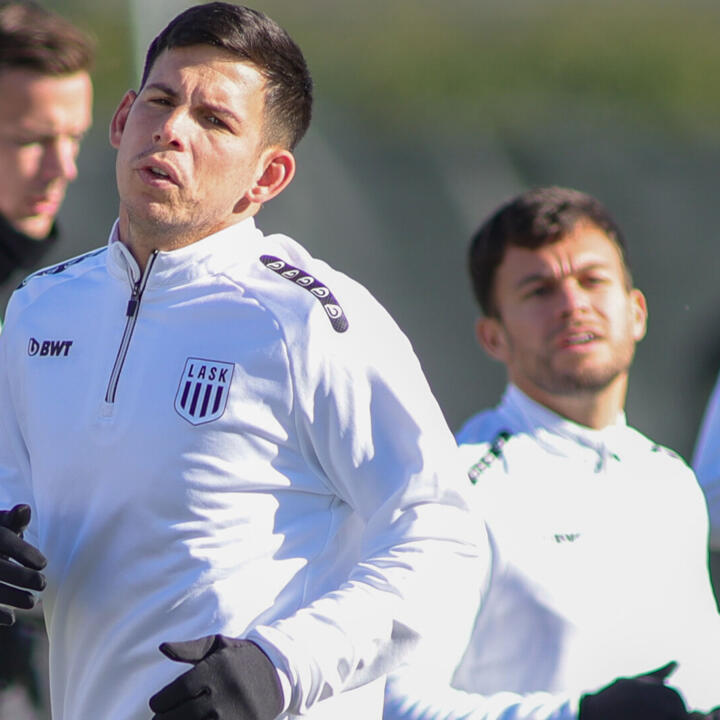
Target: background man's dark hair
point(36, 39)
point(255, 39)
point(531, 220)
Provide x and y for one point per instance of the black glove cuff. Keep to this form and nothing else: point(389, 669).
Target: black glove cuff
point(259, 674)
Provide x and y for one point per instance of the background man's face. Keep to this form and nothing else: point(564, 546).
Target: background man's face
point(568, 322)
point(42, 120)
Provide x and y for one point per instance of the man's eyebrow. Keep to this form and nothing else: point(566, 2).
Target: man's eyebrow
point(163, 88)
point(213, 107)
point(533, 278)
point(223, 110)
point(545, 277)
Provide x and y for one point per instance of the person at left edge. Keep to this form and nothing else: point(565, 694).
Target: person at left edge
point(706, 463)
point(229, 451)
point(45, 111)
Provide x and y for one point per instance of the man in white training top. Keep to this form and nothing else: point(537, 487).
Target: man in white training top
point(599, 587)
point(247, 497)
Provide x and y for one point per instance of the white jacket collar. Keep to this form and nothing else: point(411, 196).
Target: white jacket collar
point(560, 435)
point(207, 256)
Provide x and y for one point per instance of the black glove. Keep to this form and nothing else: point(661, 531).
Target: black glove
point(643, 697)
point(714, 714)
point(20, 564)
point(232, 680)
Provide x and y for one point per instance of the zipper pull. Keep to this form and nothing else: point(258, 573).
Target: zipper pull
point(138, 286)
point(133, 302)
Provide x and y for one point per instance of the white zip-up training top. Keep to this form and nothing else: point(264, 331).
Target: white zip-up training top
point(599, 541)
point(239, 441)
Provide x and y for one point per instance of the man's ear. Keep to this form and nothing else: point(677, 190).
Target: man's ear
point(119, 119)
point(491, 335)
point(639, 314)
point(277, 170)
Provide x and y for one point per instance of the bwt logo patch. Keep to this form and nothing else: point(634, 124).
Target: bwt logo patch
point(561, 538)
point(49, 348)
point(203, 391)
point(331, 306)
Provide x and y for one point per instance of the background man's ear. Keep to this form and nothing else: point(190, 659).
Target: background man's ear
point(492, 338)
point(640, 314)
point(119, 118)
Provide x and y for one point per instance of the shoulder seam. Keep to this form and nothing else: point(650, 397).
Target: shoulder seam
point(60, 267)
point(309, 282)
point(494, 452)
point(657, 448)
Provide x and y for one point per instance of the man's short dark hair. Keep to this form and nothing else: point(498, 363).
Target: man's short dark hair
point(535, 218)
point(256, 39)
point(33, 38)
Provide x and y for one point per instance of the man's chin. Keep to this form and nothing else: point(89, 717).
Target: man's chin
point(154, 215)
point(586, 380)
point(36, 227)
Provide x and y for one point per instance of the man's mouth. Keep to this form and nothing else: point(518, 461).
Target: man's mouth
point(160, 170)
point(579, 339)
point(45, 204)
point(576, 338)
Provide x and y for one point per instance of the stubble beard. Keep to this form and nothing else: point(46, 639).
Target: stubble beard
point(582, 380)
point(164, 225)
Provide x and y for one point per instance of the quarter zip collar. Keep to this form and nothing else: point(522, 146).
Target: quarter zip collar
point(166, 269)
point(176, 267)
point(131, 314)
point(562, 436)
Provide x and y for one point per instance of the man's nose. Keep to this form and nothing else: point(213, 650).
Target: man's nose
point(59, 159)
point(572, 297)
point(170, 131)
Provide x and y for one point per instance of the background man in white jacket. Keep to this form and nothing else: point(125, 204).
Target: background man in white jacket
point(706, 462)
point(224, 450)
point(599, 536)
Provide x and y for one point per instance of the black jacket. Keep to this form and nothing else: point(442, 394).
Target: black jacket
point(19, 255)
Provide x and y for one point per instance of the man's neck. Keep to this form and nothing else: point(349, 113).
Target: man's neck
point(143, 240)
point(143, 245)
point(595, 409)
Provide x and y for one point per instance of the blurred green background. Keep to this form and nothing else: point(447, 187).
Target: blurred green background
point(431, 112)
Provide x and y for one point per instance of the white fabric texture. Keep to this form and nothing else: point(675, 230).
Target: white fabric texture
point(252, 450)
point(599, 571)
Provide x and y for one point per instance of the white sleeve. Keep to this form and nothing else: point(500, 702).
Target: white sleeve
point(422, 689)
point(418, 696)
point(371, 424)
point(706, 462)
point(14, 460)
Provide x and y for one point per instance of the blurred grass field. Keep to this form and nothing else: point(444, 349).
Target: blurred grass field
point(464, 64)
